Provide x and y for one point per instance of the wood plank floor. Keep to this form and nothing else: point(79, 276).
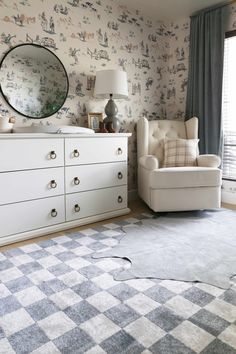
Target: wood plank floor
point(137, 207)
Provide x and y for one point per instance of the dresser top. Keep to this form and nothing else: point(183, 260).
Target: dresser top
point(56, 135)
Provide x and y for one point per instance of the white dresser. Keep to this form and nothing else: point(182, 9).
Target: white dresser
point(51, 182)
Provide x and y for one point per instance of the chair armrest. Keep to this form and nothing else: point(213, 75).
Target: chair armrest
point(149, 162)
point(208, 161)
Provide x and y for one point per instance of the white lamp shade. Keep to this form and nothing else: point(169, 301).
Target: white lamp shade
point(111, 82)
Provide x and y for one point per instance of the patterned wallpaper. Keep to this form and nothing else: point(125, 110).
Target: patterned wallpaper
point(92, 35)
point(177, 70)
point(88, 36)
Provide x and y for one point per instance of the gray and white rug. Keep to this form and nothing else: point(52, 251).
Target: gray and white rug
point(55, 298)
point(190, 246)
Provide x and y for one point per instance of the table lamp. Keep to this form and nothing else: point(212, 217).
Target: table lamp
point(113, 84)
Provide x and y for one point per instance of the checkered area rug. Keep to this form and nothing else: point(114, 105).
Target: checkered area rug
point(55, 298)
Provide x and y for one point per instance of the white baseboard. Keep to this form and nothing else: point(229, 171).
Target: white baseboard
point(228, 194)
point(228, 198)
point(132, 195)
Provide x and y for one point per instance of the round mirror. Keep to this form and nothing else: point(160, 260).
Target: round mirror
point(33, 81)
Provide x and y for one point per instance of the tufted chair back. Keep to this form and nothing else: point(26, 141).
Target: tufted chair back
point(151, 134)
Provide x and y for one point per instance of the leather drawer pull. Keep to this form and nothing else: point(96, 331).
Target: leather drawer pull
point(120, 199)
point(76, 181)
point(77, 208)
point(76, 153)
point(120, 175)
point(53, 184)
point(53, 213)
point(53, 155)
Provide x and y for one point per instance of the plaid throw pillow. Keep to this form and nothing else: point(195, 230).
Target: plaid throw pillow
point(181, 152)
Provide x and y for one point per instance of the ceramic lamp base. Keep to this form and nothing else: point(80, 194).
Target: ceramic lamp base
point(111, 111)
point(114, 123)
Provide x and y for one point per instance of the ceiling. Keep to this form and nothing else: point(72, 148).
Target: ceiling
point(169, 9)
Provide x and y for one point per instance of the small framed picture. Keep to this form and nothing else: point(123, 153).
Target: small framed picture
point(94, 119)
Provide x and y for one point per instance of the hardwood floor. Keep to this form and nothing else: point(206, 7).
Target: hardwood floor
point(229, 206)
point(137, 207)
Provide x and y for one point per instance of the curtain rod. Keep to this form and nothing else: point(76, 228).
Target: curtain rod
point(214, 7)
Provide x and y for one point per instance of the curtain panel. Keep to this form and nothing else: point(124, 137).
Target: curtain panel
point(206, 60)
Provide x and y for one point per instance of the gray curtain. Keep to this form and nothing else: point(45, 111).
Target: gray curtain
point(204, 92)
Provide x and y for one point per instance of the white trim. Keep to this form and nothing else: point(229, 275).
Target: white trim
point(56, 136)
point(60, 227)
point(228, 194)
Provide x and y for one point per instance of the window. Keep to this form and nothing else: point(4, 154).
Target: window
point(229, 107)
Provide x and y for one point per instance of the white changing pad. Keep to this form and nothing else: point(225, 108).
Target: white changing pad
point(53, 129)
point(71, 129)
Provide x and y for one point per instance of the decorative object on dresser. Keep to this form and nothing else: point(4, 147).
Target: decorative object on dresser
point(175, 188)
point(113, 84)
point(47, 182)
point(94, 120)
point(102, 128)
point(33, 80)
point(110, 128)
point(6, 124)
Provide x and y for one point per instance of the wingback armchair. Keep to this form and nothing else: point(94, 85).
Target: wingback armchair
point(175, 188)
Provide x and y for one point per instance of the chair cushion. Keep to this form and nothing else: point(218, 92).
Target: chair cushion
point(180, 152)
point(158, 131)
point(185, 177)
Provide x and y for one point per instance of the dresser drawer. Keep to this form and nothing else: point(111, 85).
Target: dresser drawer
point(83, 204)
point(88, 177)
point(27, 216)
point(80, 151)
point(19, 186)
point(26, 154)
